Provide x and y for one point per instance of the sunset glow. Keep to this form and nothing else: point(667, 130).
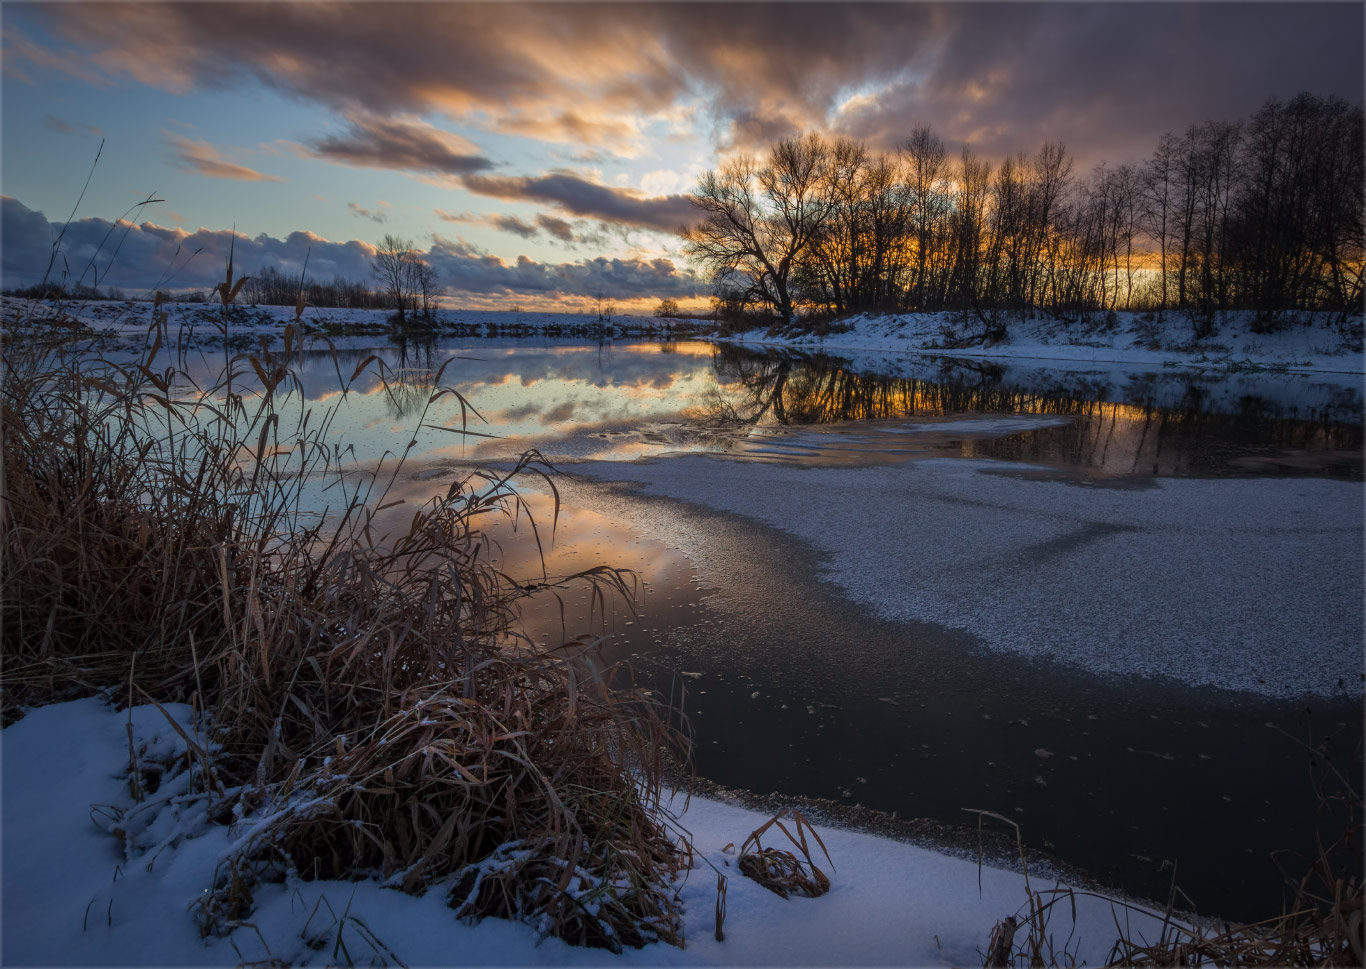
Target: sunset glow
point(543, 156)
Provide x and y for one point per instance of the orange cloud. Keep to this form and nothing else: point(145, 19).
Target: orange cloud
point(202, 157)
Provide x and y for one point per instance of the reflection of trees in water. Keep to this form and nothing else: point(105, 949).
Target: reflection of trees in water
point(1134, 435)
point(411, 379)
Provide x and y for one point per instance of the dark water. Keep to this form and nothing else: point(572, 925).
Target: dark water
point(792, 688)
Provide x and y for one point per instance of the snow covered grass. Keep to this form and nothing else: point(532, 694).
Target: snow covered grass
point(362, 697)
point(1128, 337)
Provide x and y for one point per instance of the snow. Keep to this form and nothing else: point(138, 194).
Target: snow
point(72, 897)
point(1134, 339)
point(134, 316)
point(1246, 584)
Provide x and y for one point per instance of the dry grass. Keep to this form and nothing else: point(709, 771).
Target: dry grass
point(780, 870)
point(366, 695)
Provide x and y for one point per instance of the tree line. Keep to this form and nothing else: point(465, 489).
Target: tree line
point(401, 281)
point(1264, 214)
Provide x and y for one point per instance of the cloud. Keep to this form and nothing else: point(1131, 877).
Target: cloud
point(1107, 78)
point(403, 145)
point(57, 124)
point(514, 225)
point(560, 229)
point(146, 255)
point(414, 146)
point(578, 196)
point(466, 270)
point(154, 256)
point(468, 218)
point(375, 216)
point(202, 157)
point(575, 128)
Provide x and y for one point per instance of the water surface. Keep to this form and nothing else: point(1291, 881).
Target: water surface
point(791, 687)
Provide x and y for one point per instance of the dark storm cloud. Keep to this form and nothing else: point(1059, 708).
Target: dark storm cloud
point(151, 256)
point(1106, 77)
point(581, 197)
point(370, 142)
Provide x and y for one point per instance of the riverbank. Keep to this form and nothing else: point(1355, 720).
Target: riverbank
point(204, 321)
point(1135, 340)
point(768, 718)
point(74, 896)
point(1313, 344)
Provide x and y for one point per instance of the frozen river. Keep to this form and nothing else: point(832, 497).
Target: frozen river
point(1099, 601)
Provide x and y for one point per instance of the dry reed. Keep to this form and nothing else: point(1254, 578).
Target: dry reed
point(780, 870)
point(364, 698)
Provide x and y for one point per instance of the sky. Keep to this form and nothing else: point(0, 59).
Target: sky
point(541, 155)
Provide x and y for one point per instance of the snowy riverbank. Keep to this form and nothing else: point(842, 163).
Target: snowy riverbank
point(74, 896)
point(126, 317)
point(1130, 338)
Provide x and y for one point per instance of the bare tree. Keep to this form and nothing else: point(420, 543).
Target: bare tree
point(1158, 199)
point(394, 269)
point(758, 222)
point(425, 286)
point(931, 202)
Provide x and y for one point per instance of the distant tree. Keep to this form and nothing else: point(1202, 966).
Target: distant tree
point(426, 287)
point(395, 270)
point(1158, 198)
point(667, 307)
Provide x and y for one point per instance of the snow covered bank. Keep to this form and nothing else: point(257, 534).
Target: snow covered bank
point(1251, 585)
point(128, 316)
point(1133, 338)
point(73, 897)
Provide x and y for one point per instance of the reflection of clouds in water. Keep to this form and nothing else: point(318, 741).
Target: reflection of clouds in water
point(561, 413)
point(520, 412)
